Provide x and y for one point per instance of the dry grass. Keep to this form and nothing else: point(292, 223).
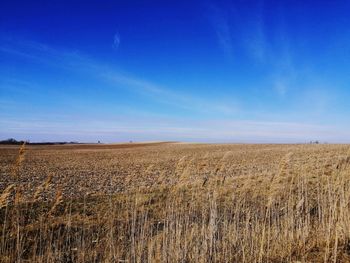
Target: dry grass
point(176, 203)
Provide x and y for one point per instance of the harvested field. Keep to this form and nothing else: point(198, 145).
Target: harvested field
point(172, 202)
point(110, 169)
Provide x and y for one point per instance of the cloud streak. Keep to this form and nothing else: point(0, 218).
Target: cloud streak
point(241, 30)
point(220, 22)
point(235, 32)
point(116, 40)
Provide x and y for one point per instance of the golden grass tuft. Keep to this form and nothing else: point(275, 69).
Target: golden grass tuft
point(42, 188)
point(6, 194)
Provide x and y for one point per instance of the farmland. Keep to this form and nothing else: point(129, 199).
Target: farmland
point(175, 202)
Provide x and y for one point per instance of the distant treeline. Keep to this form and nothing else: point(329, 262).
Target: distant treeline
point(15, 142)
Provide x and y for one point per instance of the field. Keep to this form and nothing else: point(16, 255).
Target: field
point(175, 202)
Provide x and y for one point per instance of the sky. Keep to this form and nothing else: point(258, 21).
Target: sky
point(236, 71)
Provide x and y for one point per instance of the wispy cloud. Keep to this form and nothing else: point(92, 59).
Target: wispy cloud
point(254, 37)
point(219, 19)
point(241, 29)
point(236, 33)
point(116, 40)
point(284, 73)
point(169, 97)
point(41, 53)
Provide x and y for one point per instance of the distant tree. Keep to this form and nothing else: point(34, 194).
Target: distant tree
point(11, 141)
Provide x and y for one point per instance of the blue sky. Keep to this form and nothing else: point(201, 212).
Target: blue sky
point(208, 71)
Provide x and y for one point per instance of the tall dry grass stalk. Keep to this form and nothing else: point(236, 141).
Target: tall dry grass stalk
point(19, 160)
point(58, 201)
